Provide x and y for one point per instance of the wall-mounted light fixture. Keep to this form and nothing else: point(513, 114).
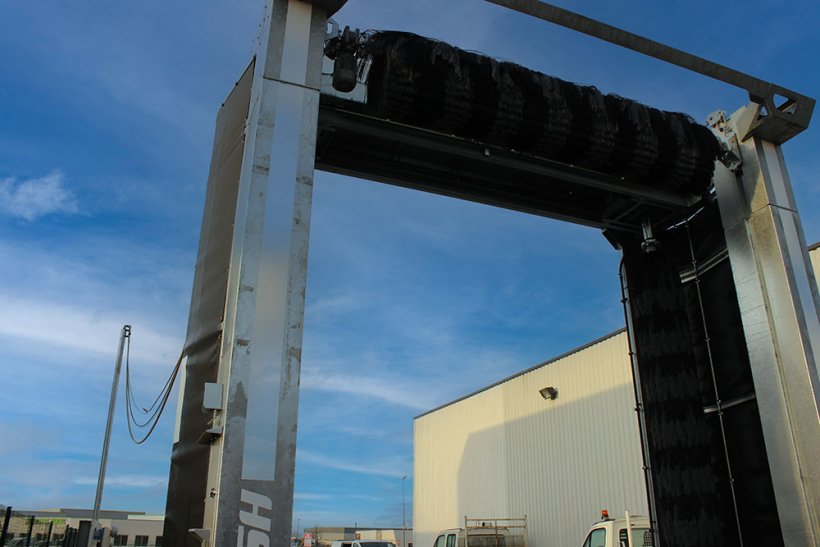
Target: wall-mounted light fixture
point(549, 392)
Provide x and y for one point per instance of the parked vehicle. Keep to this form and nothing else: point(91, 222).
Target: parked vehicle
point(629, 531)
point(494, 532)
point(362, 543)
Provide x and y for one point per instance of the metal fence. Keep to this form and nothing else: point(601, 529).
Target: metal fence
point(21, 530)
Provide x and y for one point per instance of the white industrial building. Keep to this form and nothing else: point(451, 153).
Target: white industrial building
point(508, 451)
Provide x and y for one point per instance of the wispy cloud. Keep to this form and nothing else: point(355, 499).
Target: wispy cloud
point(127, 481)
point(331, 305)
point(389, 391)
point(311, 497)
point(33, 198)
point(81, 329)
point(395, 468)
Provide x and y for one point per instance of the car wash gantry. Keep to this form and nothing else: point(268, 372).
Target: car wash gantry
point(719, 302)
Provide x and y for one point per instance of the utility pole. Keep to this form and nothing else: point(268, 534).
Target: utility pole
point(95, 516)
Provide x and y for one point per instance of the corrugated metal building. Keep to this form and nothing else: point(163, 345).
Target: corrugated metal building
point(507, 451)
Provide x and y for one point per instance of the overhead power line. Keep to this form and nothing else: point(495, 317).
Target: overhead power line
point(152, 414)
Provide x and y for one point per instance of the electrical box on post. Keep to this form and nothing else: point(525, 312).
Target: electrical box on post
point(212, 400)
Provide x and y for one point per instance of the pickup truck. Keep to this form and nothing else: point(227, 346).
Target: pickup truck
point(493, 532)
point(362, 543)
point(610, 532)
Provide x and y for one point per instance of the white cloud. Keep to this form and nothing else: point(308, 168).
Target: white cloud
point(37, 197)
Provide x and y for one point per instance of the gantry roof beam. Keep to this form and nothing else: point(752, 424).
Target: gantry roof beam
point(782, 113)
point(355, 144)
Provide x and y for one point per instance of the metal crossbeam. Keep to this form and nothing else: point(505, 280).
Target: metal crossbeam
point(781, 113)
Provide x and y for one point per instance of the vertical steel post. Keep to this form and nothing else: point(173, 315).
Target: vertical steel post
point(95, 515)
point(251, 467)
point(5, 529)
point(778, 302)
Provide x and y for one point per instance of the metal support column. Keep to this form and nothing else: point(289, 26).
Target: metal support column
point(251, 469)
point(778, 302)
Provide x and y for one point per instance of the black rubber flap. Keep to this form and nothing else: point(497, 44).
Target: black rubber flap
point(691, 353)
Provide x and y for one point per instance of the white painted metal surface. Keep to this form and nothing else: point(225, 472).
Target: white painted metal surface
point(507, 451)
point(778, 301)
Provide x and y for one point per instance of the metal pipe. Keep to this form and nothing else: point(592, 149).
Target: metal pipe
point(30, 530)
point(628, 529)
point(639, 409)
point(708, 342)
point(126, 333)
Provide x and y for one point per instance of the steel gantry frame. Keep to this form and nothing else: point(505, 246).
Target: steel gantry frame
point(248, 438)
point(778, 300)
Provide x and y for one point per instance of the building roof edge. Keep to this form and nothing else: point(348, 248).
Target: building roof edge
point(523, 372)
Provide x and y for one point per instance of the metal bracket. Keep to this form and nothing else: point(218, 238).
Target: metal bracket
point(203, 535)
point(781, 113)
point(333, 30)
point(729, 148)
point(650, 243)
point(209, 435)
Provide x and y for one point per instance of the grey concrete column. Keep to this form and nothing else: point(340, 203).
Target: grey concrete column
point(778, 302)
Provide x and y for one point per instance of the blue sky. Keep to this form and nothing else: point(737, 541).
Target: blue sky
point(106, 125)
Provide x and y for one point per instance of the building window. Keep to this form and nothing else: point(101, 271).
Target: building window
point(121, 540)
point(140, 541)
point(158, 541)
